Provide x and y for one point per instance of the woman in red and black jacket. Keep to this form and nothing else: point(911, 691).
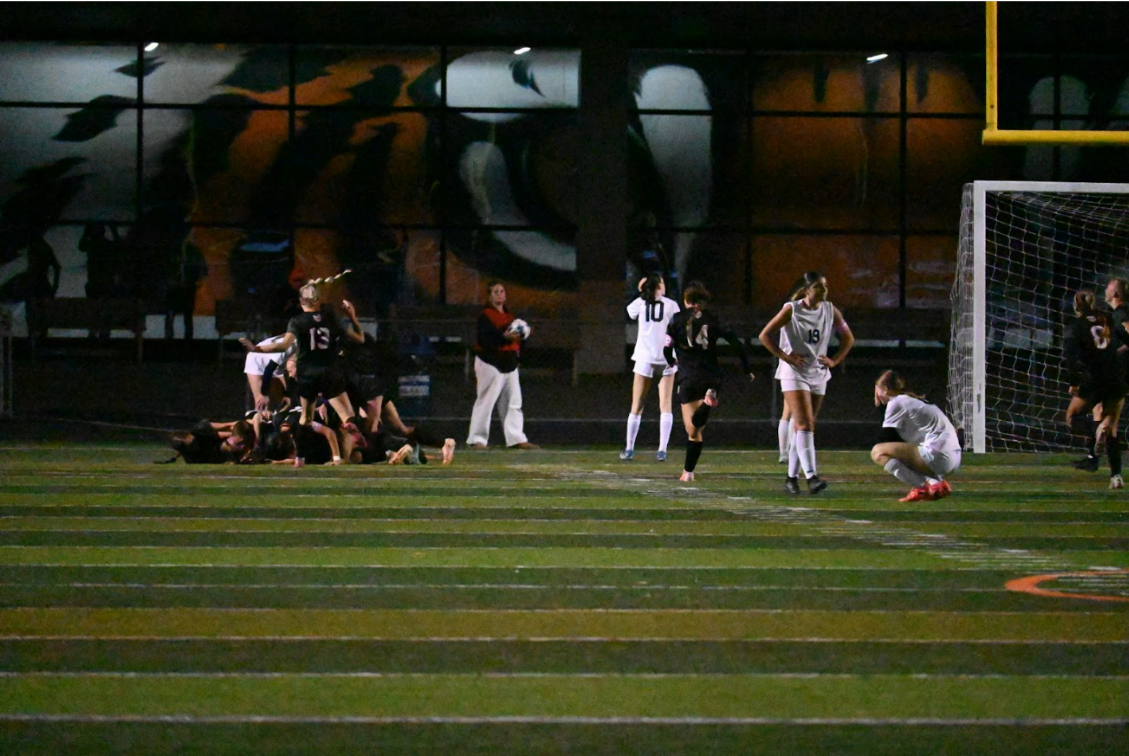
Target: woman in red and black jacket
point(497, 349)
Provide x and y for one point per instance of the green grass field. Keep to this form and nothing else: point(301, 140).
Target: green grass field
point(557, 602)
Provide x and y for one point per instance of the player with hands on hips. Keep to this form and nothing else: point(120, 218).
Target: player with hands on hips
point(799, 336)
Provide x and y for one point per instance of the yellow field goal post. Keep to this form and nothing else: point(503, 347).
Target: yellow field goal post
point(995, 136)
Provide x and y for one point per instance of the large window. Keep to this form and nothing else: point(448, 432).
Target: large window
point(422, 169)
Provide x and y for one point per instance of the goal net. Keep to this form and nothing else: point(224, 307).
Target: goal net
point(1025, 248)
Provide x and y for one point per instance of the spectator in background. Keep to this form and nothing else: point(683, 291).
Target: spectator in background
point(497, 351)
point(103, 260)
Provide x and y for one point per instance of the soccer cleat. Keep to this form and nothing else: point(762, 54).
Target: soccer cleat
point(940, 490)
point(1116, 482)
point(1089, 464)
point(918, 494)
point(711, 398)
point(792, 485)
point(815, 485)
point(660, 456)
point(783, 460)
point(687, 477)
point(627, 455)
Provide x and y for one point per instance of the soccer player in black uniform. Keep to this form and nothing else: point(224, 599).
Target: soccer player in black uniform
point(319, 337)
point(1095, 375)
point(692, 335)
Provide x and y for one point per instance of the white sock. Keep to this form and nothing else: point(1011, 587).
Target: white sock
point(782, 440)
point(903, 473)
point(633, 423)
point(666, 423)
point(793, 460)
point(804, 443)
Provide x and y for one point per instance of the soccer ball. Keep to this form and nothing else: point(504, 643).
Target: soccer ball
point(520, 327)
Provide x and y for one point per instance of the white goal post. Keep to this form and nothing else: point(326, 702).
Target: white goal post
point(1025, 248)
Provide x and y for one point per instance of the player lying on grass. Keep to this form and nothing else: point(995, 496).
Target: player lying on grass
point(214, 443)
point(920, 445)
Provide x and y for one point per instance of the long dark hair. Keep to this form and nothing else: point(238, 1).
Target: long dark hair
point(1084, 302)
point(649, 289)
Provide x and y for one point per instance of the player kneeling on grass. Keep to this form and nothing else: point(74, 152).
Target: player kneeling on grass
point(921, 446)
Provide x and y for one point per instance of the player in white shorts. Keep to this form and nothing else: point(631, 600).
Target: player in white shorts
point(653, 311)
point(798, 336)
point(921, 445)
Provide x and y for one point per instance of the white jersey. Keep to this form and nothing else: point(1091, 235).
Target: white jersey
point(808, 334)
point(921, 424)
point(653, 317)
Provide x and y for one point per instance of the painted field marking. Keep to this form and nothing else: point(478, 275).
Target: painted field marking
point(1103, 579)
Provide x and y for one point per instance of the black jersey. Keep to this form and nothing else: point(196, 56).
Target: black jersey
point(1118, 320)
point(1091, 351)
point(692, 336)
point(318, 336)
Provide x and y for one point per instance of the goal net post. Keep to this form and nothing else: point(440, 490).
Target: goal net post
point(1025, 248)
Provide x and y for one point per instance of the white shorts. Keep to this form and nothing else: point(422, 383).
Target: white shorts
point(940, 462)
point(815, 388)
point(647, 369)
point(256, 362)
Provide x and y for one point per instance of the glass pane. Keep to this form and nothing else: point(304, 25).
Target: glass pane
point(183, 73)
point(361, 168)
point(390, 266)
point(861, 271)
point(683, 80)
point(249, 263)
point(939, 83)
point(826, 82)
point(540, 78)
point(1106, 80)
point(59, 72)
point(60, 163)
point(1026, 86)
point(930, 268)
point(688, 170)
point(942, 156)
point(368, 76)
point(717, 259)
point(225, 166)
point(518, 173)
point(541, 260)
point(825, 172)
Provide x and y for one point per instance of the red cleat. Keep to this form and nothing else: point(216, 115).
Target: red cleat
point(919, 494)
point(940, 490)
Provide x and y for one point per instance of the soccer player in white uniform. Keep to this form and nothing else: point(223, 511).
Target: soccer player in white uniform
point(653, 310)
point(798, 336)
point(921, 445)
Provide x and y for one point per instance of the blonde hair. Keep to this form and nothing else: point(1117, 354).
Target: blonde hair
point(894, 383)
point(309, 294)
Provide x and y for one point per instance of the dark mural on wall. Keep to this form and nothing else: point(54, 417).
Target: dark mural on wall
point(261, 166)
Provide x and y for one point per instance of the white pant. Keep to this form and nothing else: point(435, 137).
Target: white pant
point(499, 389)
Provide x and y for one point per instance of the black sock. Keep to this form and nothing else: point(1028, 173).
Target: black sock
point(701, 415)
point(693, 452)
point(1091, 436)
point(1113, 450)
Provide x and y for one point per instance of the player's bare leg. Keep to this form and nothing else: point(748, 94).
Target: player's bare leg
point(448, 451)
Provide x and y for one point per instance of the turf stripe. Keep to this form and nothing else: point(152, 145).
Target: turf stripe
point(328, 575)
point(622, 624)
point(571, 657)
point(521, 597)
point(760, 696)
point(262, 523)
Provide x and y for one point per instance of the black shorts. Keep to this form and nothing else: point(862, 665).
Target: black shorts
point(693, 387)
point(362, 388)
point(328, 381)
point(1102, 390)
